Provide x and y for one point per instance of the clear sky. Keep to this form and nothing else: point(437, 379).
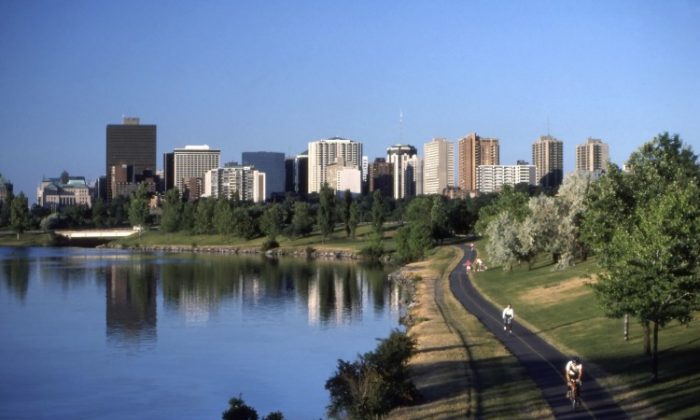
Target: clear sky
point(274, 75)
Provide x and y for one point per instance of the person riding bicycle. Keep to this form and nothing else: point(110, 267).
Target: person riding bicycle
point(574, 373)
point(508, 315)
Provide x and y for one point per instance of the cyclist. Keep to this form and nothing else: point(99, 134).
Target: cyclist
point(574, 373)
point(508, 315)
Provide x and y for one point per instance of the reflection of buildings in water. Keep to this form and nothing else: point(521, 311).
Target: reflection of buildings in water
point(131, 302)
point(340, 294)
point(196, 307)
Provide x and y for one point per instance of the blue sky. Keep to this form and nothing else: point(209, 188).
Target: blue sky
point(274, 75)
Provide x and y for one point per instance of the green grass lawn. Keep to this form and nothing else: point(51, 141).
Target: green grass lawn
point(563, 309)
point(337, 240)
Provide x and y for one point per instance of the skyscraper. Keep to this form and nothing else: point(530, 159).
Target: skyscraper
point(474, 151)
point(548, 158)
point(438, 166)
point(334, 150)
point(592, 156)
point(132, 144)
point(272, 163)
point(190, 165)
point(404, 159)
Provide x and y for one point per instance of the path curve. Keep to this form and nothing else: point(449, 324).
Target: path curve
point(543, 363)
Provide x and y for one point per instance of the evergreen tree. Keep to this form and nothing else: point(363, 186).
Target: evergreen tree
point(302, 221)
point(326, 211)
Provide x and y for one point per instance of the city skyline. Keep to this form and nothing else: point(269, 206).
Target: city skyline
point(277, 76)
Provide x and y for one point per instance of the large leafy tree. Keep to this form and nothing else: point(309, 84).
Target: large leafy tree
point(345, 211)
point(644, 225)
point(326, 211)
point(302, 221)
point(378, 211)
point(19, 214)
point(138, 206)
point(172, 211)
point(272, 221)
point(204, 216)
point(353, 218)
point(223, 217)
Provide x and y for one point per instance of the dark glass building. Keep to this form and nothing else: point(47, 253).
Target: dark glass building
point(272, 163)
point(131, 144)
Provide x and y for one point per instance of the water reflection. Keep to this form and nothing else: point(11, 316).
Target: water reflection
point(131, 301)
point(15, 274)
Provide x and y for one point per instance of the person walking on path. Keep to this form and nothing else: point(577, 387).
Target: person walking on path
point(508, 315)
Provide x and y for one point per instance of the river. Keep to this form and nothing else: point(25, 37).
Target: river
point(110, 334)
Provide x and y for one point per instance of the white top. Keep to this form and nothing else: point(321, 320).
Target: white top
point(573, 370)
point(508, 313)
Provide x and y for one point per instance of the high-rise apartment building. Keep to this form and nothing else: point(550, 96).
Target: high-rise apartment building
point(592, 156)
point(134, 144)
point(548, 158)
point(438, 166)
point(321, 153)
point(272, 163)
point(492, 178)
point(189, 166)
point(404, 159)
point(474, 151)
point(244, 182)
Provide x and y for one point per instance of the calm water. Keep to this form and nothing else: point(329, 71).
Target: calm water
point(105, 334)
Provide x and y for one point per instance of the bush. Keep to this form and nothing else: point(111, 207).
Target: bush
point(269, 244)
point(374, 384)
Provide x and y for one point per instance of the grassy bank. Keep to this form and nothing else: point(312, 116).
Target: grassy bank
point(337, 240)
point(461, 369)
point(562, 308)
point(8, 238)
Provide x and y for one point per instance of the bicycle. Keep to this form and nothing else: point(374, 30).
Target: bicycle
point(574, 394)
point(508, 324)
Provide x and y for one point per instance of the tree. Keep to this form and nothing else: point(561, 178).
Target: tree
point(99, 213)
point(244, 225)
point(644, 226)
point(378, 211)
point(326, 211)
point(416, 237)
point(302, 221)
point(505, 240)
point(204, 216)
point(19, 214)
point(354, 218)
point(509, 200)
point(138, 207)
point(172, 211)
point(345, 211)
point(272, 221)
point(438, 219)
point(239, 410)
point(223, 217)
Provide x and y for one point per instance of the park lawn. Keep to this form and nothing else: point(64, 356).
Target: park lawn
point(561, 307)
point(337, 240)
point(34, 238)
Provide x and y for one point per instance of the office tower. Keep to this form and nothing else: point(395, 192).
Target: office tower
point(289, 174)
point(131, 143)
point(492, 178)
point(242, 181)
point(472, 152)
point(334, 150)
point(169, 171)
point(548, 158)
point(272, 163)
point(592, 156)
point(438, 166)
point(381, 177)
point(404, 159)
point(301, 173)
point(190, 165)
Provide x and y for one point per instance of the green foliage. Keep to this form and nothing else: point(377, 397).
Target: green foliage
point(204, 216)
point(375, 383)
point(378, 212)
point(99, 213)
point(326, 211)
point(354, 219)
point(244, 225)
point(345, 211)
point(19, 214)
point(302, 221)
point(272, 221)
point(187, 216)
point(239, 410)
point(138, 206)
point(171, 216)
point(374, 249)
point(439, 219)
point(269, 244)
point(510, 200)
point(645, 227)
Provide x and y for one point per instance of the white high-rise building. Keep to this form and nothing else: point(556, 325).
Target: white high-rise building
point(242, 181)
point(491, 178)
point(438, 166)
point(405, 161)
point(192, 162)
point(592, 156)
point(334, 150)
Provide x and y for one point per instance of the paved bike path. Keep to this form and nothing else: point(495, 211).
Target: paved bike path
point(543, 363)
